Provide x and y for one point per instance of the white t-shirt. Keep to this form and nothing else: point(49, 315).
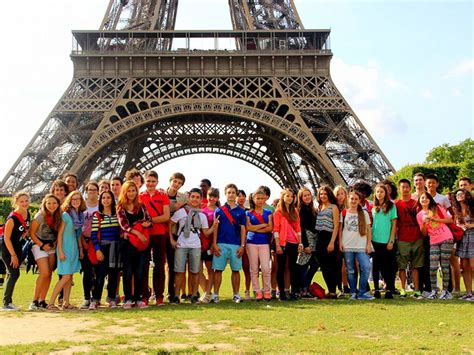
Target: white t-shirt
point(351, 239)
point(179, 217)
point(88, 214)
point(442, 200)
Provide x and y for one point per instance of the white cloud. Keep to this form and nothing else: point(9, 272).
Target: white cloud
point(427, 94)
point(365, 87)
point(461, 68)
point(455, 92)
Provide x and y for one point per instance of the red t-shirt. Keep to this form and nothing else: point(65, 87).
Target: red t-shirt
point(408, 228)
point(154, 205)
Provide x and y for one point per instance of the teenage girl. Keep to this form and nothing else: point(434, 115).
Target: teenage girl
point(384, 227)
point(327, 228)
point(341, 196)
point(129, 212)
point(259, 226)
point(105, 235)
point(44, 233)
point(67, 249)
point(355, 243)
point(308, 214)
point(464, 214)
point(15, 230)
point(432, 220)
point(287, 234)
point(206, 242)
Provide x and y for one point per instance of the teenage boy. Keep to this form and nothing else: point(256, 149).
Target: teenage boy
point(432, 183)
point(205, 185)
point(419, 183)
point(465, 183)
point(190, 222)
point(115, 186)
point(229, 242)
point(71, 181)
point(157, 204)
point(409, 239)
point(177, 200)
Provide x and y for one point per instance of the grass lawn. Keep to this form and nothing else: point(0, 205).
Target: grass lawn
point(399, 325)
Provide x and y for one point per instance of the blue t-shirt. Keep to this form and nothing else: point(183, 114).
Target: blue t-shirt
point(229, 233)
point(256, 237)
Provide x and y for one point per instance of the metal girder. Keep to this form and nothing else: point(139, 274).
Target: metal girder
point(264, 15)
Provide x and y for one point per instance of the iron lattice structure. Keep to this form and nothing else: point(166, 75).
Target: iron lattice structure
point(142, 95)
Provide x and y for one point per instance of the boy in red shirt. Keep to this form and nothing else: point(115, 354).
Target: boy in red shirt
point(158, 206)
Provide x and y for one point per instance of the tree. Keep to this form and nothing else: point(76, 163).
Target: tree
point(446, 154)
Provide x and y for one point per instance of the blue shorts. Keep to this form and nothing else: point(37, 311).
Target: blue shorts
point(228, 252)
point(182, 254)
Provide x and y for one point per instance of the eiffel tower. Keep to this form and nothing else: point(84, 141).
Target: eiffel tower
point(144, 93)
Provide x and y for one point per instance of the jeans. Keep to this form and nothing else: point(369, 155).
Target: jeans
point(157, 250)
point(12, 276)
point(290, 252)
point(101, 270)
point(133, 265)
point(364, 267)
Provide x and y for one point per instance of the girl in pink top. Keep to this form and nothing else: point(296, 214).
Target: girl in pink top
point(432, 220)
point(287, 233)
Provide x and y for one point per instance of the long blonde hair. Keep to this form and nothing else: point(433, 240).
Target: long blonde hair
point(291, 211)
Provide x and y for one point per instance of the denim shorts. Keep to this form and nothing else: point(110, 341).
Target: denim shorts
point(39, 253)
point(228, 252)
point(182, 254)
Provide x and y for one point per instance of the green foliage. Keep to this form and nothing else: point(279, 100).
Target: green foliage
point(447, 174)
point(446, 153)
point(6, 208)
point(467, 169)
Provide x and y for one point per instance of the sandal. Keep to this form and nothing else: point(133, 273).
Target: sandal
point(52, 307)
point(68, 307)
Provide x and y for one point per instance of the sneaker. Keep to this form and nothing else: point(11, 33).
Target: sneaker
point(258, 295)
point(214, 298)
point(247, 295)
point(287, 294)
point(160, 301)
point(445, 295)
point(353, 296)
point(294, 296)
point(366, 296)
point(10, 307)
point(433, 295)
point(93, 306)
point(43, 304)
point(118, 299)
point(206, 298)
point(274, 294)
point(183, 297)
point(346, 290)
point(425, 294)
point(141, 304)
point(145, 300)
point(112, 304)
point(341, 294)
point(388, 295)
point(417, 295)
point(267, 296)
point(175, 300)
point(377, 294)
point(34, 306)
point(236, 298)
point(194, 299)
point(466, 297)
point(127, 305)
point(85, 304)
point(403, 293)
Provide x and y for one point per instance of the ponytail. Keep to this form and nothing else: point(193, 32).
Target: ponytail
point(362, 224)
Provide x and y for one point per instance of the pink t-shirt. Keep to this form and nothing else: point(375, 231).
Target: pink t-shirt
point(209, 215)
point(438, 232)
point(291, 236)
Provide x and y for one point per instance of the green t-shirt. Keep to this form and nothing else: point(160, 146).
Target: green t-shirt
point(382, 224)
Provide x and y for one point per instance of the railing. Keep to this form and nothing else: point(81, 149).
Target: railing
point(201, 42)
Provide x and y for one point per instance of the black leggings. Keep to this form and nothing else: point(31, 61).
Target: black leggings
point(87, 276)
point(328, 261)
point(384, 260)
point(290, 253)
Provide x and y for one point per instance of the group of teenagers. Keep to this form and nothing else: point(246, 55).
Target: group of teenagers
point(115, 231)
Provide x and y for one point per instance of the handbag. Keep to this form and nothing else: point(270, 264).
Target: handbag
point(303, 258)
point(137, 242)
point(316, 290)
point(457, 231)
point(91, 253)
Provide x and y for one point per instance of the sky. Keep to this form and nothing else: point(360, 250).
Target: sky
point(405, 67)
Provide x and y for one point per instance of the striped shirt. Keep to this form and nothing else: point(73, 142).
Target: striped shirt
point(324, 221)
point(109, 230)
